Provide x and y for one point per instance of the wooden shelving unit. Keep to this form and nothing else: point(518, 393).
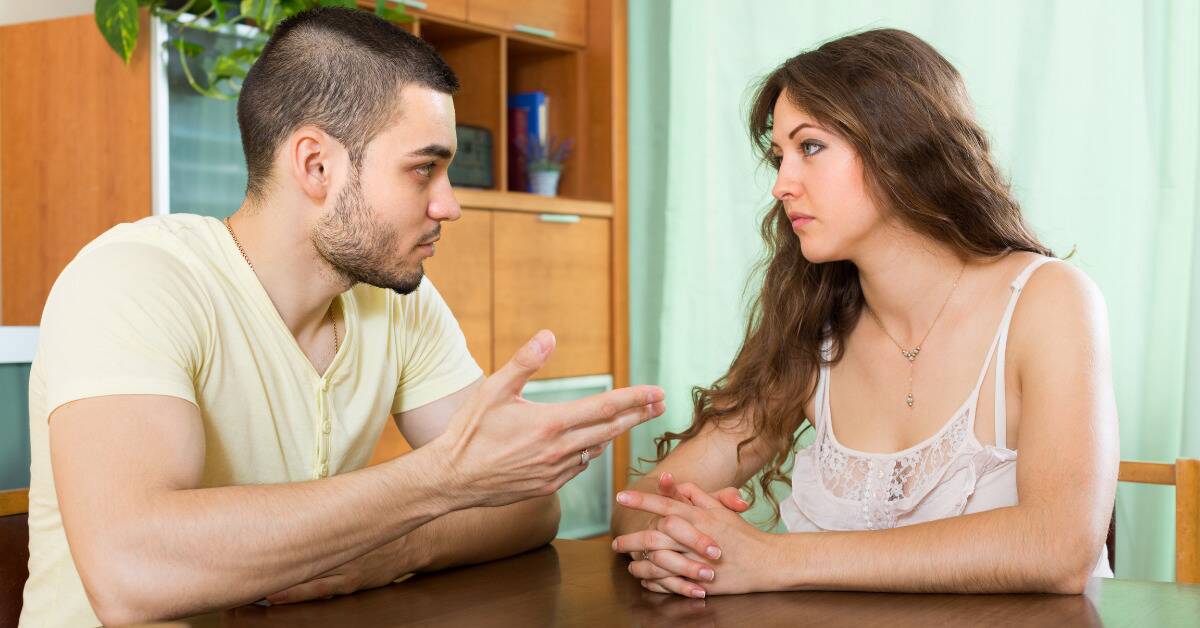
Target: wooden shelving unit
point(492, 63)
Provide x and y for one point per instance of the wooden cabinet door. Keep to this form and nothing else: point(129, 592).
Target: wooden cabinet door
point(453, 9)
point(461, 268)
point(74, 150)
point(560, 20)
point(556, 276)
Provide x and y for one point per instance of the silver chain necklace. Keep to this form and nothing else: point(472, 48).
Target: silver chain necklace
point(911, 354)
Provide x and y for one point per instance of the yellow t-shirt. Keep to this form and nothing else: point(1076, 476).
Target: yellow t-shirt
point(167, 306)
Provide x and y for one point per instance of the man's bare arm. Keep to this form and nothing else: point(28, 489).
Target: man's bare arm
point(464, 537)
point(478, 534)
point(149, 544)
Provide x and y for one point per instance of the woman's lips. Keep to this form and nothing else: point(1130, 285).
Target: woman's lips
point(801, 220)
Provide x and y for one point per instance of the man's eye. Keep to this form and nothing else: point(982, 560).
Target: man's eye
point(426, 170)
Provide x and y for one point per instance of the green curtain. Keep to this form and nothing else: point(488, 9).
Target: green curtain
point(1094, 113)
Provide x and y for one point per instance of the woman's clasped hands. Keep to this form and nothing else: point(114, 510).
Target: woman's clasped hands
point(697, 544)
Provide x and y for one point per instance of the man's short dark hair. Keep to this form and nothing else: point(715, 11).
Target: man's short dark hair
point(338, 69)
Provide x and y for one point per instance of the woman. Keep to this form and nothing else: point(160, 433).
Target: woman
point(912, 320)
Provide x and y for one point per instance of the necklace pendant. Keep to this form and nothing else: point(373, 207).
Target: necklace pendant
point(911, 354)
point(908, 399)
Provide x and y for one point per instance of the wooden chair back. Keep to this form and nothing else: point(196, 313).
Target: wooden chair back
point(1184, 475)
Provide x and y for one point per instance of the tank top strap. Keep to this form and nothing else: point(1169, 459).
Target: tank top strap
point(821, 396)
point(1001, 345)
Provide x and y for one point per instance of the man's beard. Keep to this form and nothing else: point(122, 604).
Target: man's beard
point(360, 250)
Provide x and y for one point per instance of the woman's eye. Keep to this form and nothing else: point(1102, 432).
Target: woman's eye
point(810, 148)
point(775, 159)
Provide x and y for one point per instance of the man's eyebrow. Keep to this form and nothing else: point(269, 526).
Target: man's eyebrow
point(440, 151)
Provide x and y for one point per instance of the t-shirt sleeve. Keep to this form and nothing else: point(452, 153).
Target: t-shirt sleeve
point(434, 358)
point(122, 319)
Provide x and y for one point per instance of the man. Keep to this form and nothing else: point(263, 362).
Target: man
point(206, 395)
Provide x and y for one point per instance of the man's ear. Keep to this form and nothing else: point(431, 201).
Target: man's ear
point(311, 160)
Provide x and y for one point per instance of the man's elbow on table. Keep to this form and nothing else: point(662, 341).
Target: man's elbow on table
point(121, 585)
point(549, 514)
point(117, 601)
point(119, 615)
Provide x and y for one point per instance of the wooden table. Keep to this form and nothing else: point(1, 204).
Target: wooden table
point(581, 583)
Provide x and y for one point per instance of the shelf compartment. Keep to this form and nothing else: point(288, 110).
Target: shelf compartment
point(477, 60)
point(558, 73)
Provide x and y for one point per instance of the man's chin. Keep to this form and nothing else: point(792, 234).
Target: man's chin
point(402, 284)
point(405, 288)
point(404, 281)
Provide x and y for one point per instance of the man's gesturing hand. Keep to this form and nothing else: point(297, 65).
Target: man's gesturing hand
point(501, 448)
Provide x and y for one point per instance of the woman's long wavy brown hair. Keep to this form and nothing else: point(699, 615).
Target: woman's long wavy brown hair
point(925, 160)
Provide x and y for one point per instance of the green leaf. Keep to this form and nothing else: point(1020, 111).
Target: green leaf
point(220, 8)
point(245, 56)
point(392, 12)
point(227, 67)
point(118, 22)
point(254, 9)
point(348, 4)
point(273, 16)
point(187, 48)
point(292, 7)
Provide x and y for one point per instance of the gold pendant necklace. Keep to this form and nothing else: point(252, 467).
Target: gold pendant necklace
point(332, 320)
point(911, 354)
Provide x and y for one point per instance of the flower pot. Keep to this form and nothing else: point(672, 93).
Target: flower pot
point(544, 182)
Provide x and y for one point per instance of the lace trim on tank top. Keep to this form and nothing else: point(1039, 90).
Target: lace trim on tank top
point(884, 479)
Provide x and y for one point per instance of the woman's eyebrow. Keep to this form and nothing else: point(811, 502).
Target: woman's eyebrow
point(801, 126)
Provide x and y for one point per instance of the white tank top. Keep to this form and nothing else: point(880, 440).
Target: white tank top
point(948, 474)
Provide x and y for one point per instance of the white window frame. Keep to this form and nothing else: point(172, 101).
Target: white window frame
point(18, 344)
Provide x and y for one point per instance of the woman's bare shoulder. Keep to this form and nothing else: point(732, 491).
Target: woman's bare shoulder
point(1058, 304)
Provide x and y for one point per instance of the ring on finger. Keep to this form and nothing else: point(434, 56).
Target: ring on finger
point(645, 554)
point(584, 457)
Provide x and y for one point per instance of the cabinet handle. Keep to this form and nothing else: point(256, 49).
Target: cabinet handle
point(566, 219)
point(533, 30)
point(416, 4)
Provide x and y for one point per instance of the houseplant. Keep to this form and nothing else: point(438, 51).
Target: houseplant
point(545, 163)
point(223, 70)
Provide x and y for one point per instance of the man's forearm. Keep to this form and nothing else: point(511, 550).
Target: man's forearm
point(459, 538)
point(478, 535)
point(183, 551)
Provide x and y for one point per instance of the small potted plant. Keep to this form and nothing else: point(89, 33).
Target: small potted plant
point(545, 164)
